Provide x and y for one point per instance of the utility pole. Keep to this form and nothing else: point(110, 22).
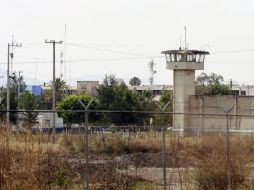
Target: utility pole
point(8, 79)
point(53, 85)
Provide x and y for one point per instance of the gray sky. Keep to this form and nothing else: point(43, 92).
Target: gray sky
point(120, 36)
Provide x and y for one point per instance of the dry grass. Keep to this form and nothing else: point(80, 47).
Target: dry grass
point(29, 161)
point(33, 162)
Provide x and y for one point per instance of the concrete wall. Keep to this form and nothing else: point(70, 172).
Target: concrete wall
point(243, 106)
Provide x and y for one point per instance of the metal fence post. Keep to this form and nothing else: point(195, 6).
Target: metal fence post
point(164, 158)
point(86, 152)
point(227, 111)
point(228, 155)
point(163, 108)
point(86, 180)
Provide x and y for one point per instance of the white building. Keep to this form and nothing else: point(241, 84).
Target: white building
point(156, 90)
point(46, 121)
point(243, 90)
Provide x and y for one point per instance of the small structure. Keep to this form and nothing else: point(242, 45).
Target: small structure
point(46, 123)
point(183, 63)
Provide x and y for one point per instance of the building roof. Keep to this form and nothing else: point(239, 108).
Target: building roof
point(151, 87)
point(72, 87)
point(47, 87)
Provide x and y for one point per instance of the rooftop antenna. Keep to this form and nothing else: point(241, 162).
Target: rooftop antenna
point(151, 65)
point(180, 41)
point(206, 45)
point(35, 76)
point(61, 64)
point(12, 50)
point(185, 41)
point(65, 31)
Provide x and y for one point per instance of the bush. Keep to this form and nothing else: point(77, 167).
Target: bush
point(211, 168)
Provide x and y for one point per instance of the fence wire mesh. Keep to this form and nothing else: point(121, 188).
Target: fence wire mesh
point(127, 150)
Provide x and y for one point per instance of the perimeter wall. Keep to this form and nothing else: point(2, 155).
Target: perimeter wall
point(238, 119)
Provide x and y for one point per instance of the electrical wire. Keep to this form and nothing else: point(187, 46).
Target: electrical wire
point(104, 50)
point(88, 60)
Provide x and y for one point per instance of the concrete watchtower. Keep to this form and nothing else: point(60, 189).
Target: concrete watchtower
point(183, 63)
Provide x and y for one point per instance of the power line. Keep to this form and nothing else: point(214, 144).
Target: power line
point(90, 60)
point(233, 51)
point(105, 50)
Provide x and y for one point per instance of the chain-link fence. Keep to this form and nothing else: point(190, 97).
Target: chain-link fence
point(126, 150)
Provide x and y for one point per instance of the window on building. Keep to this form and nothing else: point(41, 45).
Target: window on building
point(235, 92)
point(243, 93)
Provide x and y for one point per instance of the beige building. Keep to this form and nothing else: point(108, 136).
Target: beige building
point(89, 87)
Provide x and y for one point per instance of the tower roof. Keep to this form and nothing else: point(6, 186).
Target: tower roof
point(186, 52)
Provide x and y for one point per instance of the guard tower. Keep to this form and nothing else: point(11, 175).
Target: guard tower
point(183, 63)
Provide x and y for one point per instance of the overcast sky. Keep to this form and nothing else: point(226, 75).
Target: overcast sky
point(120, 36)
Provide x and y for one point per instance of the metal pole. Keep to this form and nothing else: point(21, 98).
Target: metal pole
point(8, 80)
point(87, 152)
point(227, 111)
point(164, 157)
point(163, 108)
point(86, 176)
point(54, 92)
point(54, 87)
point(8, 86)
point(228, 156)
point(185, 41)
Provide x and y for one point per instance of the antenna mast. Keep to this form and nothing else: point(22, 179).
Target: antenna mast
point(35, 76)
point(61, 64)
point(180, 41)
point(12, 51)
point(65, 30)
point(151, 65)
point(185, 41)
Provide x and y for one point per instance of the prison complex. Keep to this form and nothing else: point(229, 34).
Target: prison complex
point(204, 113)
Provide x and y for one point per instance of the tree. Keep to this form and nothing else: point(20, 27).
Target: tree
point(29, 102)
point(211, 85)
point(13, 104)
point(15, 81)
point(60, 86)
point(72, 102)
point(115, 98)
point(135, 81)
point(143, 101)
point(165, 100)
point(106, 92)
